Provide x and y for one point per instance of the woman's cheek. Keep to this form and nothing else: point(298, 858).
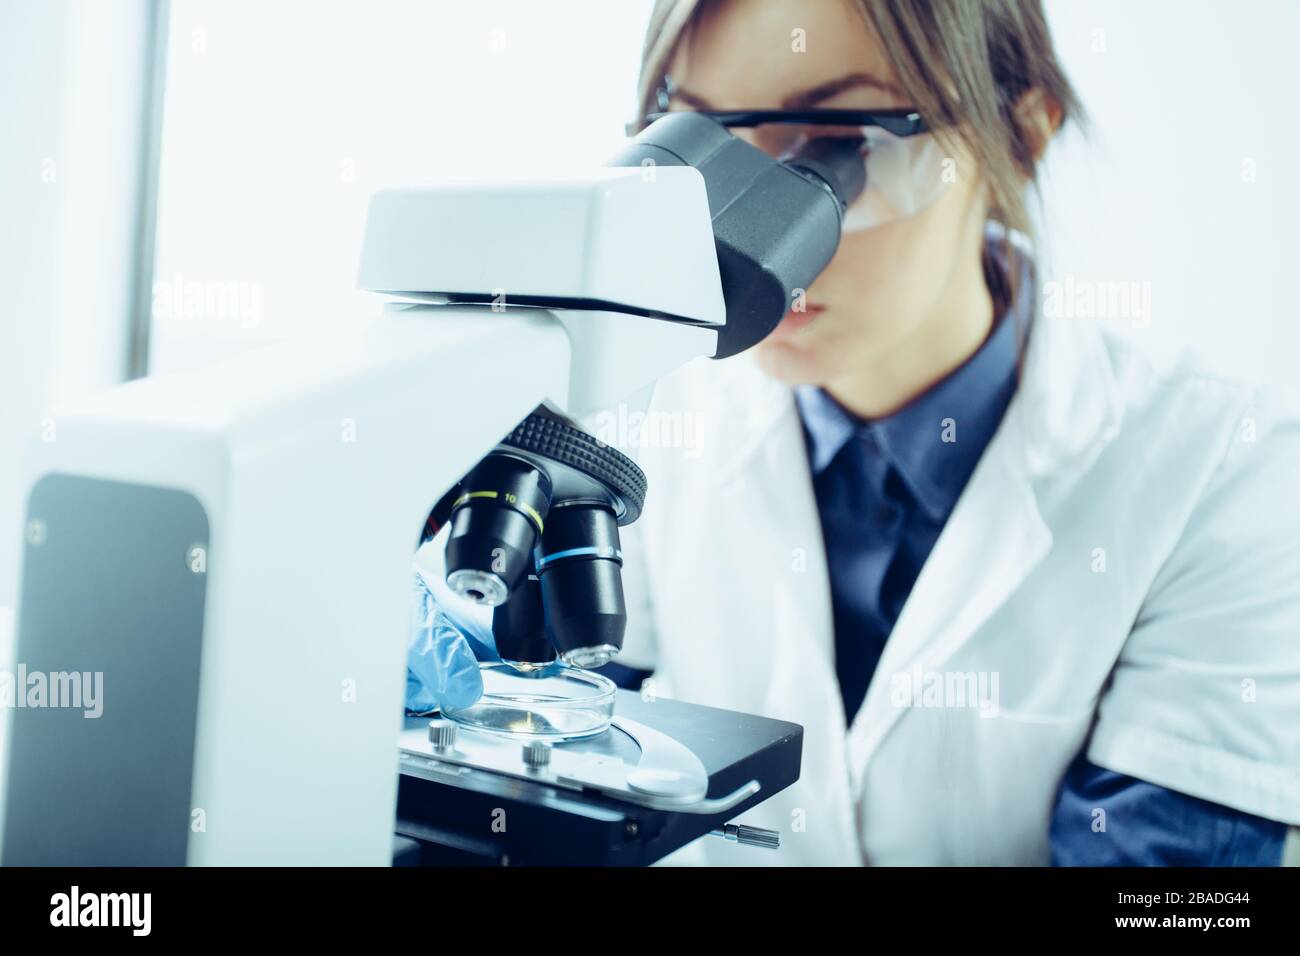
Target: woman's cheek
point(814, 355)
point(785, 363)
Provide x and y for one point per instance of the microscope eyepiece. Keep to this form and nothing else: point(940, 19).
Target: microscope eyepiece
point(776, 224)
point(495, 524)
point(836, 162)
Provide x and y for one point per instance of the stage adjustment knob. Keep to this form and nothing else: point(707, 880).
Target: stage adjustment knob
point(442, 734)
point(537, 754)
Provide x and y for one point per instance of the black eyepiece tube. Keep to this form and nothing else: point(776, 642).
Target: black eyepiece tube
point(776, 226)
point(837, 162)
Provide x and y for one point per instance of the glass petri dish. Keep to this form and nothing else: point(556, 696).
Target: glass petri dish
point(555, 703)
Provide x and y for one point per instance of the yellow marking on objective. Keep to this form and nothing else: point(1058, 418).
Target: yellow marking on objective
point(473, 494)
point(493, 494)
point(532, 511)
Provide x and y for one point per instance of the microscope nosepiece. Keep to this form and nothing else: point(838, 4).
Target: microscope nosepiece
point(534, 535)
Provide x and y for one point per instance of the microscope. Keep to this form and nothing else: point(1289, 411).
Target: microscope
point(231, 548)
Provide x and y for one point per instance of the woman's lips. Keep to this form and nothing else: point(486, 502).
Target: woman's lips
point(794, 321)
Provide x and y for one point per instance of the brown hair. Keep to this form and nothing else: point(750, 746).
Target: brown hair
point(964, 64)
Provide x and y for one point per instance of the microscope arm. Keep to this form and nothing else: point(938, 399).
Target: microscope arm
point(231, 550)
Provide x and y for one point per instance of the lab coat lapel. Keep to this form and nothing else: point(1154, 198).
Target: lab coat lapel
point(1064, 413)
point(804, 640)
point(993, 539)
point(787, 596)
point(768, 484)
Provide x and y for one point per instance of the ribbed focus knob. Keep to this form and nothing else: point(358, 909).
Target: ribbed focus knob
point(537, 754)
point(750, 836)
point(757, 836)
point(442, 734)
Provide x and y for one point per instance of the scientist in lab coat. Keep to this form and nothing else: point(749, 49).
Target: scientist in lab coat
point(1033, 596)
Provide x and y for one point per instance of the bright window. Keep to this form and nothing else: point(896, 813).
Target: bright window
point(282, 117)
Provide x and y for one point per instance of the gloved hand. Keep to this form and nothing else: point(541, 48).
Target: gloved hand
point(449, 636)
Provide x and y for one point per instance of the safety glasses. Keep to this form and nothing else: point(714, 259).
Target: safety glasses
point(897, 122)
point(905, 168)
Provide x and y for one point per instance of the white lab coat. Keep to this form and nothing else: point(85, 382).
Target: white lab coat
point(1124, 562)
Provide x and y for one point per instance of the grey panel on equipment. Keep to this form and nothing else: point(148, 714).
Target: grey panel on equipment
point(112, 586)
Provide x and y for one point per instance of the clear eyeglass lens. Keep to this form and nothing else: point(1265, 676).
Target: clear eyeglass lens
point(904, 174)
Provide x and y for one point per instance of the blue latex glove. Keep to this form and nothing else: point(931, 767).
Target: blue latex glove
point(448, 638)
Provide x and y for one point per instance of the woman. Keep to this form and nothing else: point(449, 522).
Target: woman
point(1031, 596)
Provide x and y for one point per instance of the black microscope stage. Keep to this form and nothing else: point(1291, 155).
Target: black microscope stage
point(454, 809)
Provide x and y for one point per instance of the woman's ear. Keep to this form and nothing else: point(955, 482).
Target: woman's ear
point(1038, 117)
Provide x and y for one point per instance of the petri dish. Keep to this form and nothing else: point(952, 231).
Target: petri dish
point(554, 703)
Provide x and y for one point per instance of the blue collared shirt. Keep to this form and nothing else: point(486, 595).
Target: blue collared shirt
point(885, 488)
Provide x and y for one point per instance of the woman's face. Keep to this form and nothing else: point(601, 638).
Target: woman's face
point(887, 285)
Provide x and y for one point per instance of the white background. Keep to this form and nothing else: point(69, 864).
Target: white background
point(282, 117)
point(1187, 96)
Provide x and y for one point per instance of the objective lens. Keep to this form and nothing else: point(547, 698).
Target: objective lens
point(580, 566)
point(479, 586)
point(495, 524)
point(519, 628)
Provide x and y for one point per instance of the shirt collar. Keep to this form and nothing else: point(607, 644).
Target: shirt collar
point(828, 424)
point(965, 407)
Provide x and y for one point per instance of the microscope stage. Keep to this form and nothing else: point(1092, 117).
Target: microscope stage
point(664, 774)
